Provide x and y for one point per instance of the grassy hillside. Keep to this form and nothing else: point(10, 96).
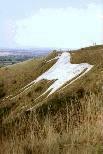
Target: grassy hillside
point(60, 123)
point(71, 130)
point(92, 55)
point(17, 76)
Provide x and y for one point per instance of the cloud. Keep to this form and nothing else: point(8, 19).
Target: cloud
point(70, 27)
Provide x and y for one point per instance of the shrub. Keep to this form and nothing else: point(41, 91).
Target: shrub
point(38, 89)
point(2, 92)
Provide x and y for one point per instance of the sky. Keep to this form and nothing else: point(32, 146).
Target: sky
point(46, 23)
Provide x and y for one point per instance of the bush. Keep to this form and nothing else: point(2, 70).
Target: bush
point(2, 92)
point(38, 89)
point(14, 82)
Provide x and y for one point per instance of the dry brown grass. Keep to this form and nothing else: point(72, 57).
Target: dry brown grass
point(67, 122)
point(19, 75)
point(66, 132)
point(92, 55)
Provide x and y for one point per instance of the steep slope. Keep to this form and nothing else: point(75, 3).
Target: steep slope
point(55, 105)
point(62, 71)
point(58, 76)
point(19, 75)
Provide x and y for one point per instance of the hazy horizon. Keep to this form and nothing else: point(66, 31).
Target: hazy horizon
point(53, 24)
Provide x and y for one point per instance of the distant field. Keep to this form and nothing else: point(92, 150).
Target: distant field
point(9, 60)
point(13, 56)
